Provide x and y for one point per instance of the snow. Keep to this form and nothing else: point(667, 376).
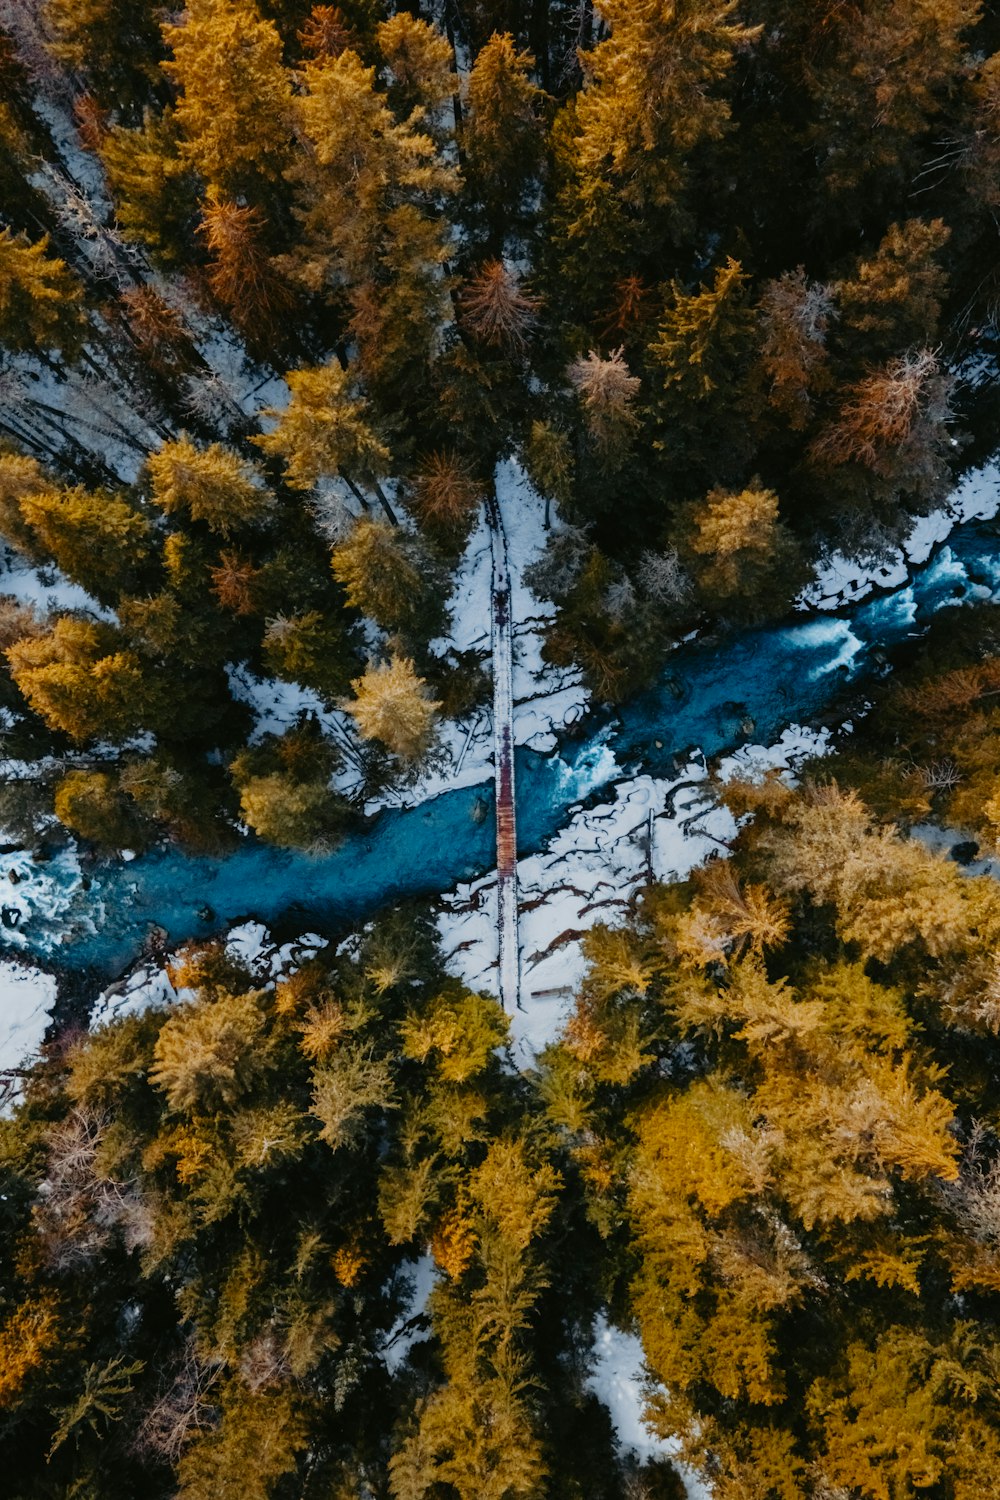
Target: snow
point(591, 871)
point(841, 580)
point(411, 1327)
point(48, 590)
point(617, 1379)
point(26, 998)
point(253, 945)
point(148, 985)
point(547, 699)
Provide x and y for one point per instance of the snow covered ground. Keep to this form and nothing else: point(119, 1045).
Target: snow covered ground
point(590, 872)
point(547, 699)
point(617, 1378)
point(251, 943)
point(841, 580)
point(26, 998)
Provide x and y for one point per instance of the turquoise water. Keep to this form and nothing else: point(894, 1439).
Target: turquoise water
point(713, 695)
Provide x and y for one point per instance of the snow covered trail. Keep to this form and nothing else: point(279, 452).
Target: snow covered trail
point(502, 634)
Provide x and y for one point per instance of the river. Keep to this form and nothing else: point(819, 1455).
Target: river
point(713, 695)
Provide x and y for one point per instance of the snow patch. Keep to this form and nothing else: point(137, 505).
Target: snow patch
point(591, 871)
point(411, 1328)
point(840, 580)
point(617, 1379)
point(26, 1000)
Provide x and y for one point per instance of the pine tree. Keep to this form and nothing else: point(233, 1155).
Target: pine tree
point(420, 62)
point(502, 138)
point(496, 310)
point(652, 95)
point(385, 573)
point(39, 299)
point(701, 334)
point(461, 1031)
point(607, 390)
point(882, 80)
point(285, 788)
point(324, 431)
point(385, 238)
point(214, 1466)
point(209, 1052)
point(895, 422)
point(242, 274)
point(158, 331)
point(326, 32)
point(795, 317)
point(894, 298)
point(234, 109)
point(154, 188)
point(446, 494)
point(901, 1417)
point(212, 485)
point(742, 551)
point(352, 1082)
point(20, 478)
point(311, 648)
point(699, 360)
point(91, 803)
point(101, 541)
point(391, 704)
point(82, 681)
point(29, 1337)
point(115, 44)
point(548, 457)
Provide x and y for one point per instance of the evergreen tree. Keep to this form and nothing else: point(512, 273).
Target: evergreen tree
point(311, 648)
point(155, 190)
point(212, 485)
point(795, 316)
point(39, 299)
point(743, 554)
point(385, 573)
point(699, 362)
point(83, 681)
point(876, 89)
point(446, 495)
point(386, 239)
point(496, 310)
point(607, 391)
point(894, 299)
point(101, 541)
point(115, 44)
point(420, 62)
point(21, 477)
point(652, 95)
point(502, 138)
point(234, 109)
point(323, 432)
point(391, 704)
point(242, 274)
point(91, 803)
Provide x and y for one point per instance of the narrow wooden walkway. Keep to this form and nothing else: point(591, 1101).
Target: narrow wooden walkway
point(502, 633)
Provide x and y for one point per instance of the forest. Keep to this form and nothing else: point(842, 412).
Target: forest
point(287, 294)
